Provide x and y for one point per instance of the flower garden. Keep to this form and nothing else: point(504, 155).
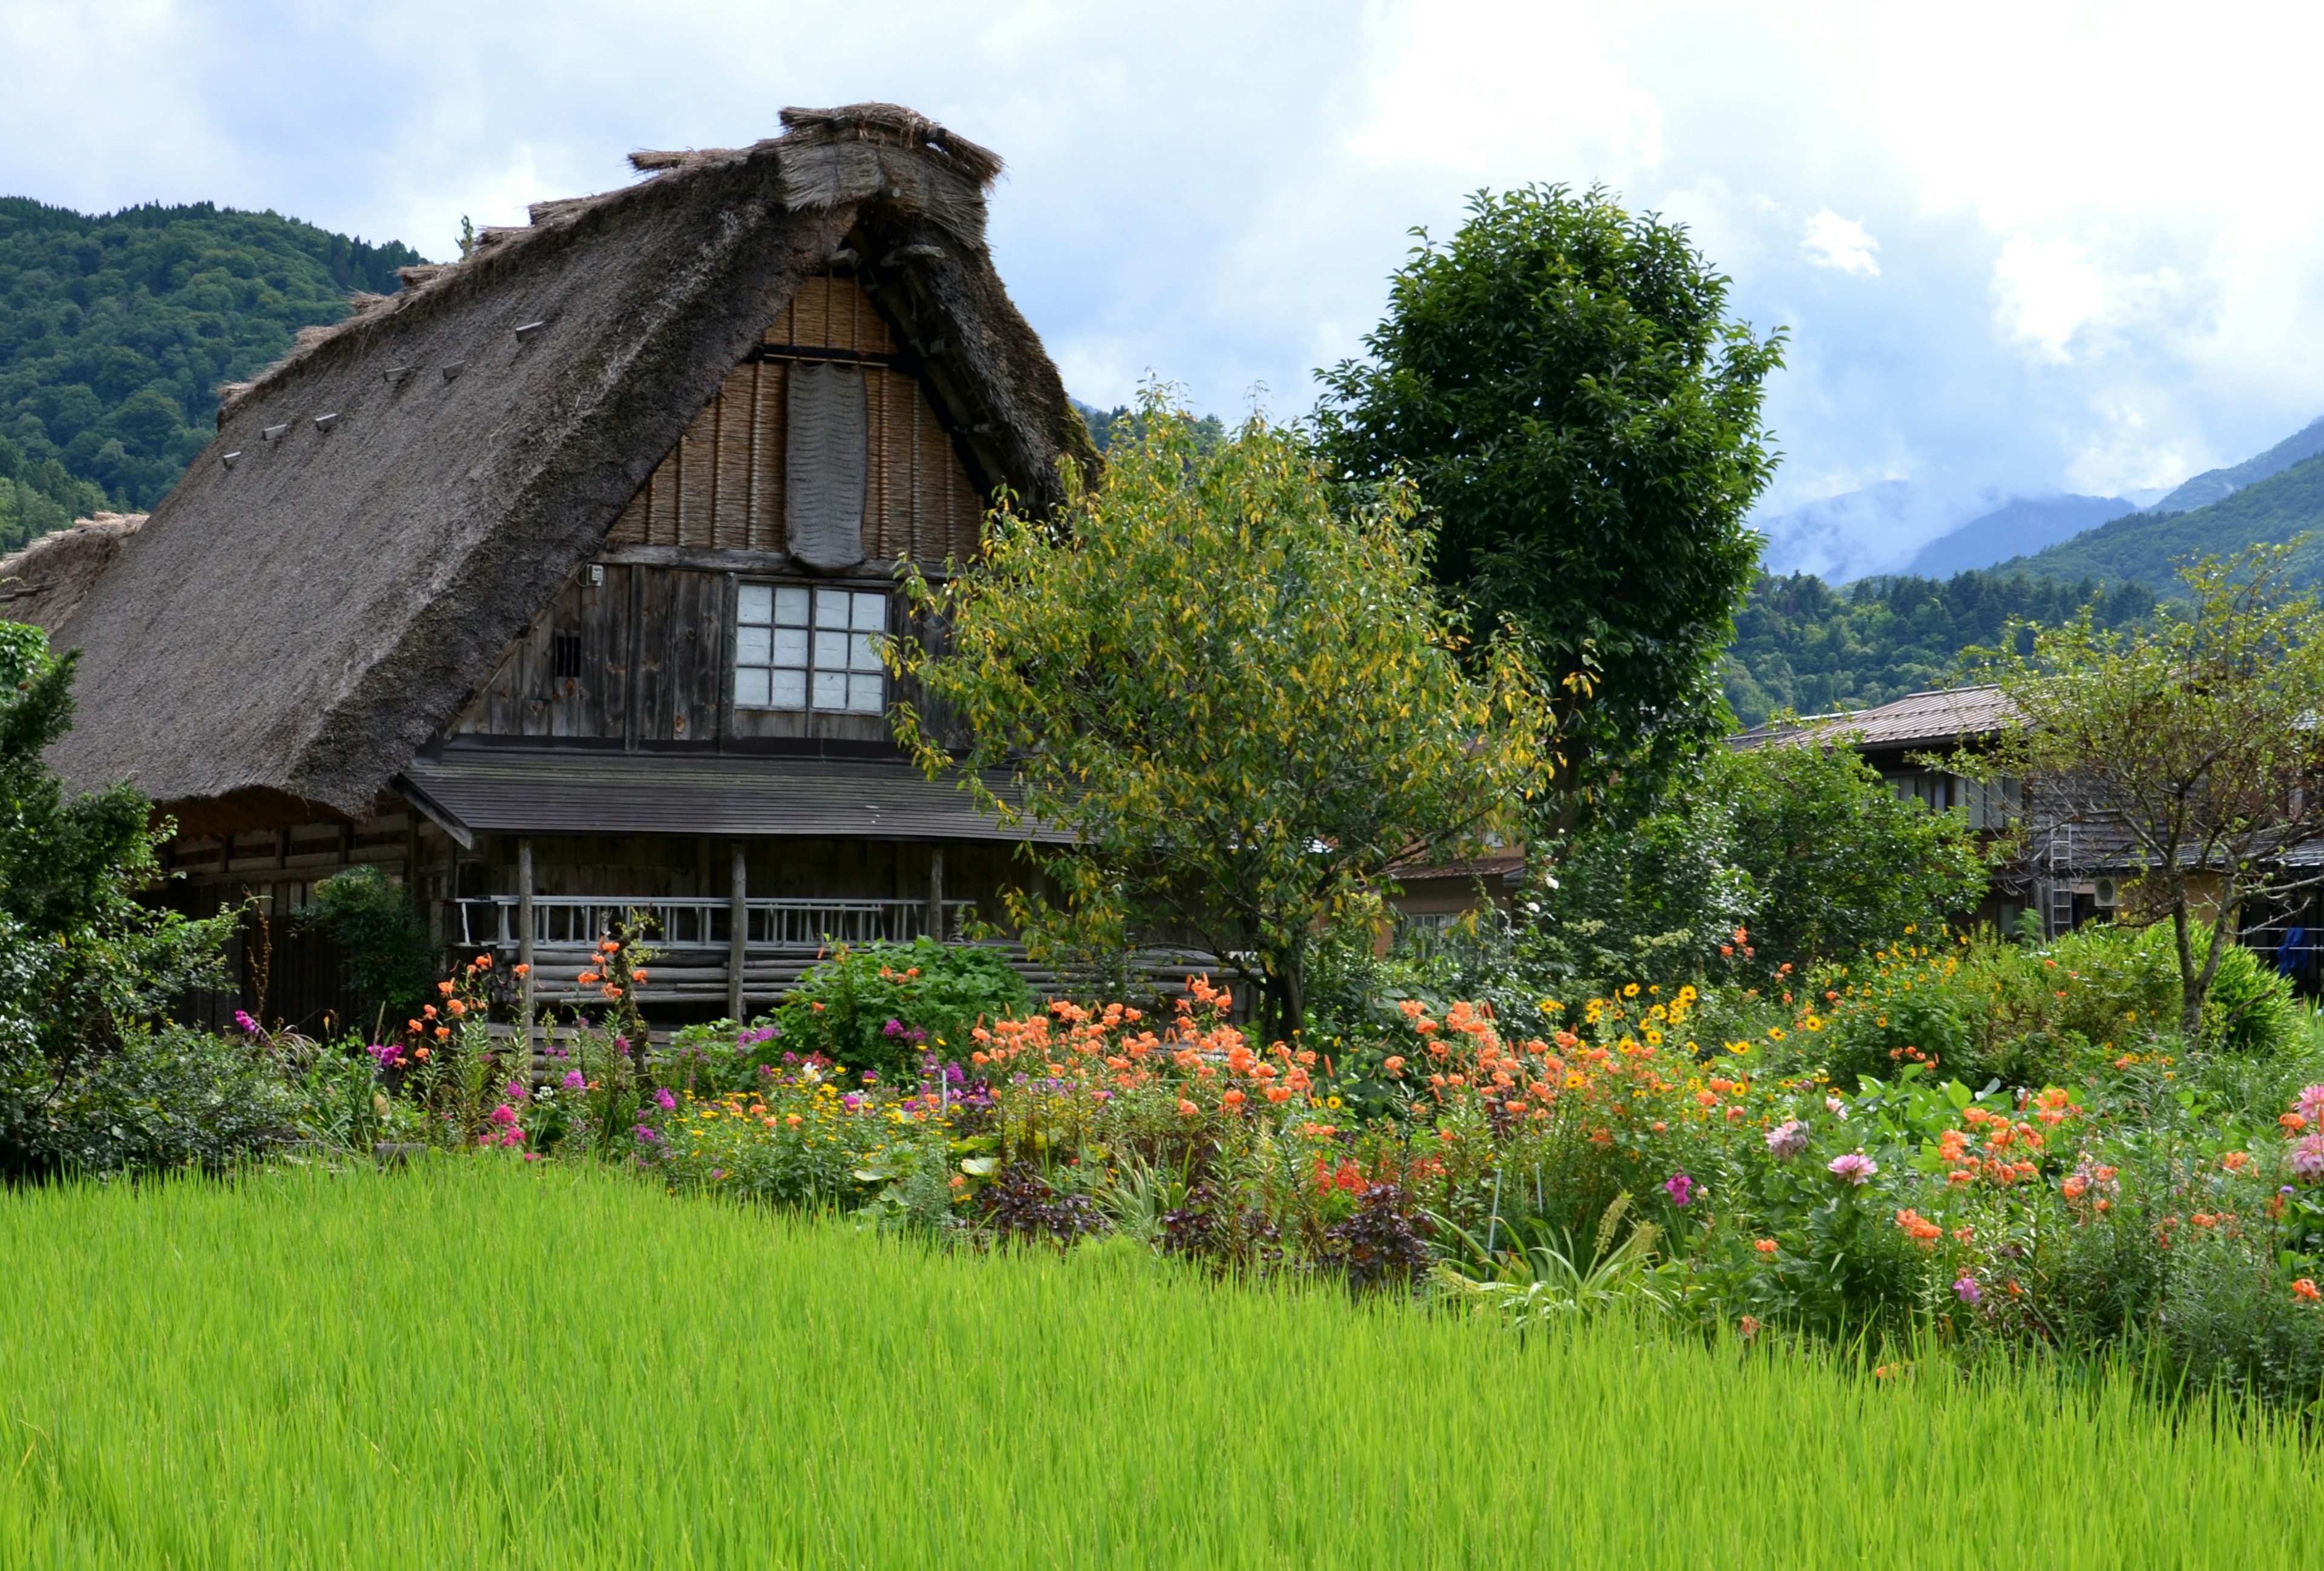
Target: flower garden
point(819, 1288)
point(1959, 1149)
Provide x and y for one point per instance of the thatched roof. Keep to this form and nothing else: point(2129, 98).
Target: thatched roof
point(383, 511)
point(44, 583)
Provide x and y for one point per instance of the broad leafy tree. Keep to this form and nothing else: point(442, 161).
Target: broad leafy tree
point(2195, 741)
point(1234, 689)
point(1801, 845)
point(1563, 383)
point(80, 954)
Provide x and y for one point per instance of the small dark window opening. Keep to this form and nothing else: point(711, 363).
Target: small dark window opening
point(565, 655)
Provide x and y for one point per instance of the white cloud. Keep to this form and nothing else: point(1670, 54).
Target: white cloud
point(2071, 292)
point(1833, 241)
point(2045, 292)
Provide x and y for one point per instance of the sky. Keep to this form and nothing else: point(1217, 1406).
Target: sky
point(2015, 249)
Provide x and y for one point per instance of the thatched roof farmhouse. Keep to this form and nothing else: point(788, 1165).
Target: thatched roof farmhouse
point(547, 583)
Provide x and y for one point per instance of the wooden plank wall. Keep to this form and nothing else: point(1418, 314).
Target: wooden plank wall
point(722, 486)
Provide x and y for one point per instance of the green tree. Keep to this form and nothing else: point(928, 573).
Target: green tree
point(2196, 738)
point(1805, 848)
point(1234, 689)
point(1562, 382)
point(83, 963)
point(1839, 864)
point(384, 943)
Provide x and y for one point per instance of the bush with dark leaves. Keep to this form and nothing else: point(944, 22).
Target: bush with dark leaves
point(1020, 1205)
point(1382, 1244)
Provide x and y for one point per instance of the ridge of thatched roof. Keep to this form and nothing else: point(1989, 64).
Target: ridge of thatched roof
point(386, 508)
point(43, 582)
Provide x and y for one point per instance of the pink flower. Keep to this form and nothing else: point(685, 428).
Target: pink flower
point(2311, 1104)
point(664, 1100)
point(2308, 1159)
point(503, 1115)
point(514, 1091)
point(1680, 1188)
point(574, 1082)
point(1967, 1288)
point(1854, 1167)
point(1787, 1139)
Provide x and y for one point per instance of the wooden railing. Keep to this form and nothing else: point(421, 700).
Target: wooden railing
point(574, 923)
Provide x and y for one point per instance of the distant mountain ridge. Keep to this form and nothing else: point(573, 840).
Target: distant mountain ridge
point(2217, 484)
point(2020, 525)
point(2143, 548)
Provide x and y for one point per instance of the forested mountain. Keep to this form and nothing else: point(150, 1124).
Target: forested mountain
point(116, 330)
point(1801, 645)
point(2217, 484)
point(2142, 547)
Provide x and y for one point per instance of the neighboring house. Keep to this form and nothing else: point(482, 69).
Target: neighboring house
point(2067, 874)
point(549, 583)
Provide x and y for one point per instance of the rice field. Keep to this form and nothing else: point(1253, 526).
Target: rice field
point(476, 1364)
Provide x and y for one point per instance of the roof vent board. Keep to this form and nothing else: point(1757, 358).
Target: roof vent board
point(826, 457)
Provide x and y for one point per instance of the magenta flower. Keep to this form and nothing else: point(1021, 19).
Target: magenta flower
point(515, 1090)
point(894, 1028)
point(1680, 1188)
point(663, 1099)
point(1854, 1167)
point(503, 1115)
point(245, 1022)
point(1788, 1140)
point(645, 1134)
point(1966, 1287)
point(572, 1081)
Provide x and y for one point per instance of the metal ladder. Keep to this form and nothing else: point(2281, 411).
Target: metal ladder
point(2062, 888)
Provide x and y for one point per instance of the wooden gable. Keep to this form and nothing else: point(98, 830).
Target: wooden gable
point(722, 487)
point(637, 647)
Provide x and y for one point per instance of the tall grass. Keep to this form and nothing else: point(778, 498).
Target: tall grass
point(473, 1364)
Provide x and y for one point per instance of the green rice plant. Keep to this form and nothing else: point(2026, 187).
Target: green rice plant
point(480, 1363)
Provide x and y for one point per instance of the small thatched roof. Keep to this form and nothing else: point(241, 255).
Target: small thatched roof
point(383, 511)
point(44, 583)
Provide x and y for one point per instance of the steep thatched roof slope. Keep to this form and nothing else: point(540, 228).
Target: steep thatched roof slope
point(44, 583)
point(383, 511)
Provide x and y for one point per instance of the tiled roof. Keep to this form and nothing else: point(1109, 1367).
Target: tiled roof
point(1942, 715)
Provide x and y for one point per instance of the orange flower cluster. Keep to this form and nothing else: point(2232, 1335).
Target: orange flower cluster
point(1921, 1230)
point(2011, 1151)
point(605, 978)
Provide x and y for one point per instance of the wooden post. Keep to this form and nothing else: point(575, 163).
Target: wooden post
point(936, 893)
point(738, 923)
point(524, 930)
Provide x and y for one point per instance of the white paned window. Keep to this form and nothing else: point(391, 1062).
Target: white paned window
point(800, 648)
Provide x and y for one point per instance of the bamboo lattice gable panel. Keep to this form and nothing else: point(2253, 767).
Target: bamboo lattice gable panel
point(722, 486)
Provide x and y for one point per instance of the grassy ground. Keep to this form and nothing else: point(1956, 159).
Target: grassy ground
point(478, 1365)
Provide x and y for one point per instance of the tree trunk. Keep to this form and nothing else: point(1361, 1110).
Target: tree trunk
point(2191, 987)
point(1285, 1015)
point(2198, 991)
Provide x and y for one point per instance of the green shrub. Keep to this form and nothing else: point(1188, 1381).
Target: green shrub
point(883, 1006)
point(163, 1097)
point(2251, 1009)
point(381, 940)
